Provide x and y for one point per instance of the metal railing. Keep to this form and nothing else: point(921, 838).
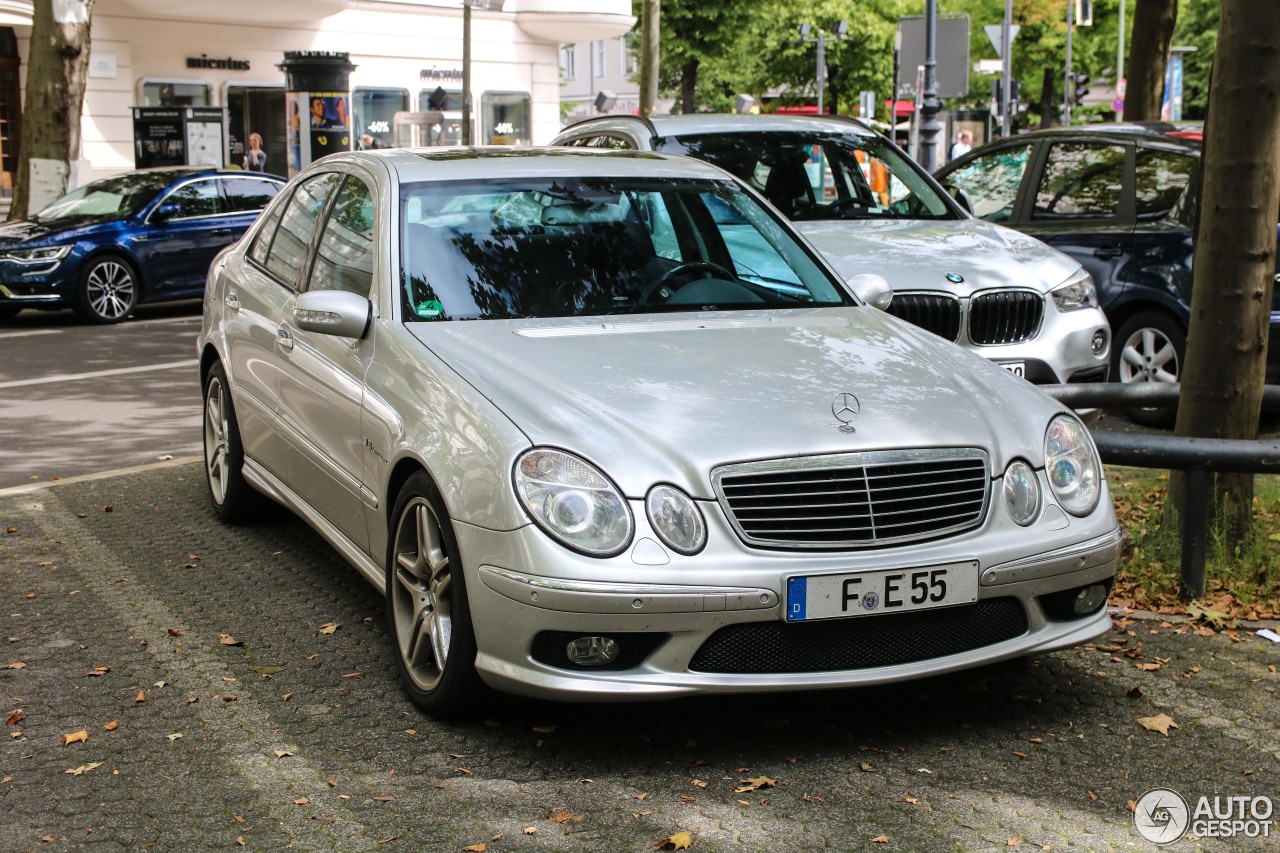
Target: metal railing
point(1197, 457)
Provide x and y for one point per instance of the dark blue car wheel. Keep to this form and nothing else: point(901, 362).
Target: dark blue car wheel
point(108, 290)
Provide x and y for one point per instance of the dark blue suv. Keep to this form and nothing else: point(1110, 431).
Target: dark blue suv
point(1122, 202)
point(144, 236)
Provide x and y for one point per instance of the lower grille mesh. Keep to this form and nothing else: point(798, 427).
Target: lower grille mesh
point(861, 642)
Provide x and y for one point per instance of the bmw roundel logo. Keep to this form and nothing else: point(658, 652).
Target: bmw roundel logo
point(955, 278)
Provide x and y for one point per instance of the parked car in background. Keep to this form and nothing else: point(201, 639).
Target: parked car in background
point(143, 236)
point(870, 209)
point(603, 427)
point(1123, 203)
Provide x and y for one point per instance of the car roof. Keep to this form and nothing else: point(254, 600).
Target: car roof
point(1143, 133)
point(692, 124)
point(505, 161)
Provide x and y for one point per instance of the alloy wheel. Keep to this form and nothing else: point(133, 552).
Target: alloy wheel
point(421, 594)
point(110, 290)
point(216, 431)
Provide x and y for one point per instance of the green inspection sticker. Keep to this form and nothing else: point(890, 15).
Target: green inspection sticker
point(430, 308)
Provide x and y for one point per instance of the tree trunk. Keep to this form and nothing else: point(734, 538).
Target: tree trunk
point(1235, 246)
point(1047, 106)
point(56, 71)
point(689, 87)
point(1153, 22)
point(649, 44)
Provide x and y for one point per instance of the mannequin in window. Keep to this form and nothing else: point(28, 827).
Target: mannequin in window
point(255, 159)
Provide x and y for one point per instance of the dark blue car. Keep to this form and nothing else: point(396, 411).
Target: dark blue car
point(1122, 201)
point(144, 236)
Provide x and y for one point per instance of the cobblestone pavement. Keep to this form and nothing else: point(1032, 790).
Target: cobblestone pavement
point(120, 597)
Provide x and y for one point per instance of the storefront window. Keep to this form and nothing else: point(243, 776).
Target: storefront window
point(504, 118)
point(449, 102)
point(176, 93)
point(375, 110)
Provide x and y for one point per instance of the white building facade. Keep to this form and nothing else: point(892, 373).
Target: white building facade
point(589, 68)
point(408, 56)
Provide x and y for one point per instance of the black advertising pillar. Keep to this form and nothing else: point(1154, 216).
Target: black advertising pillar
point(318, 100)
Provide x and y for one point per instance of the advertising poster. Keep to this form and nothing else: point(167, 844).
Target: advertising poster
point(293, 131)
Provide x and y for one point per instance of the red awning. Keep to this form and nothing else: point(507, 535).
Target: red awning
point(901, 108)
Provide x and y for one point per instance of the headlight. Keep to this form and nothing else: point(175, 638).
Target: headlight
point(676, 519)
point(1076, 292)
point(573, 501)
point(44, 255)
point(1072, 465)
point(1021, 493)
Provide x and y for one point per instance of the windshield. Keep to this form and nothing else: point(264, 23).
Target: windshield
point(110, 198)
point(567, 247)
point(817, 176)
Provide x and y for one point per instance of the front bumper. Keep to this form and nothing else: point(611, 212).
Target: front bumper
point(678, 634)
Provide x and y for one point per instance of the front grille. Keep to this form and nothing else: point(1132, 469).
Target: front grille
point(1005, 316)
point(934, 312)
point(861, 642)
point(854, 499)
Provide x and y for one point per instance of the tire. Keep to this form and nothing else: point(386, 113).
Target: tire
point(108, 290)
point(8, 312)
point(1151, 346)
point(233, 499)
point(428, 614)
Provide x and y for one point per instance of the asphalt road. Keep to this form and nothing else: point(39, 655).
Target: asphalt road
point(78, 399)
point(220, 706)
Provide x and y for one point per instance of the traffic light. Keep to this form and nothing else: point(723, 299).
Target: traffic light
point(1081, 87)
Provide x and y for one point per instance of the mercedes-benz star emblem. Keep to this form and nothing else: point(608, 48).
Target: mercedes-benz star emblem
point(845, 407)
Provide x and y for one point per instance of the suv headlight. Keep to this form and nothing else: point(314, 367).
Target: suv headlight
point(573, 501)
point(43, 255)
point(1076, 292)
point(1071, 463)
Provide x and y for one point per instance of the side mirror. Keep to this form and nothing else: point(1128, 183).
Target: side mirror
point(872, 289)
point(333, 312)
point(166, 211)
point(961, 198)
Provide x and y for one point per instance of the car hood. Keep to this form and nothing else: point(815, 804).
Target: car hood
point(30, 231)
point(920, 254)
point(667, 398)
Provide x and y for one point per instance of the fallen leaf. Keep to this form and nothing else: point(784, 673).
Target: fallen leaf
point(230, 697)
point(530, 830)
point(98, 671)
point(866, 768)
point(640, 796)
point(354, 675)
point(16, 717)
point(83, 768)
point(546, 730)
point(679, 841)
point(112, 726)
point(475, 848)
point(15, 665)
point(1093, 796)
point(698, 783)
point(388, 839)
point(1148, 667)
point(1134, 692)
point(240, 840)
point(283, 753)
point(909, 800)
point(562, 816)
point(141, 697)
point(330, 627)
point(383, 799)
point(755, 783)
point(1036, 740)
point(411, 731)
point(1159, 723)
point(301, 801)
point(228, 640)
point(1020, 754)
point(81, 736)
point(174, 736)
point(286, 697)
point(880, 839)
point(1013, 842)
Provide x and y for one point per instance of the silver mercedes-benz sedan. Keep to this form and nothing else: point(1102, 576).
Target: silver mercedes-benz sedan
point(603, 428)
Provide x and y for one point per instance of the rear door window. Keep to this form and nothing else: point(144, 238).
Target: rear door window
point(1161, 176)
point(1081, 181)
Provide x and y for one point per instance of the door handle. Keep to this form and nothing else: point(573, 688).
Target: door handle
point(284, 338)
point(220, 232)
point(1106, 253)
point(233, 300)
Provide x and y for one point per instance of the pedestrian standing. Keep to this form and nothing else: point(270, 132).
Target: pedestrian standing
point(255, 159)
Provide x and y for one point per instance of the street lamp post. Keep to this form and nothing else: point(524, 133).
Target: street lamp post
point(492, 5)
point(930, 106)
point(840, 31)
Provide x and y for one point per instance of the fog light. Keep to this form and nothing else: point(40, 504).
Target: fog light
point(592, 651)
point(1099, 342)
point(1089, 599)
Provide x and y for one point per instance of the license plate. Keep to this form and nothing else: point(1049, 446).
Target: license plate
point(871, 593)
point(1017, 368)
